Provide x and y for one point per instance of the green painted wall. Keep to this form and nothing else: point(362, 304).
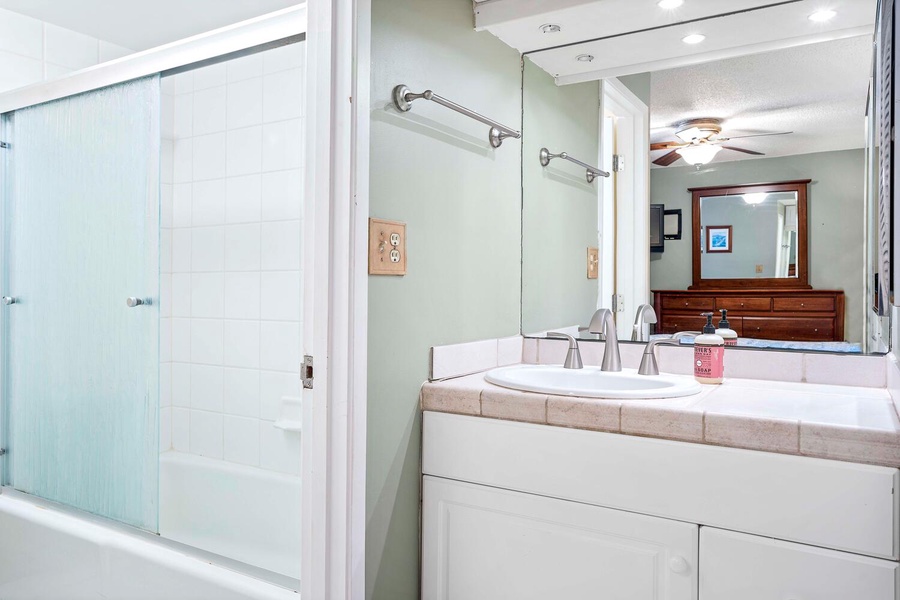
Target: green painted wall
point(639, 84)
point(559, 219)
point(835, 200)
point(461, 200)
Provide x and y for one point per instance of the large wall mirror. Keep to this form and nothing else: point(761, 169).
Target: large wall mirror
point(768, 140)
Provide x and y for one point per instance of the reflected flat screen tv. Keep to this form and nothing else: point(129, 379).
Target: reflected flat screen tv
point(657, 237)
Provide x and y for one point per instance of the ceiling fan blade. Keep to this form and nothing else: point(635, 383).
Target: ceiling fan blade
point(738, 137)
point(667, 159)
point(744, 150)
point(666, 146)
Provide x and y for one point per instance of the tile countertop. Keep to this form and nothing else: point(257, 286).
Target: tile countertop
point(826, 421)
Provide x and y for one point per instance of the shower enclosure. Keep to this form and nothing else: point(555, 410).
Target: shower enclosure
point(151, 284)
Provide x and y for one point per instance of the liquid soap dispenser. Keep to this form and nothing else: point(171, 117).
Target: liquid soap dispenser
point(709, 354)
point(724, 330)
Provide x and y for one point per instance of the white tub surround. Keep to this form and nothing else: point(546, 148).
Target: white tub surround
point(48, 554)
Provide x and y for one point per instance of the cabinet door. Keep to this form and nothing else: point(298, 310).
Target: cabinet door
point(483, 543)
point(737, 566)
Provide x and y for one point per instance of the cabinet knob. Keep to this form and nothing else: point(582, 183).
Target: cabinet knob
point(677, 564)
point(802, 305)
point(685, 303)
point(742, 305)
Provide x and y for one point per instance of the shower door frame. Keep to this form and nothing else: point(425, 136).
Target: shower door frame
point(335, 292)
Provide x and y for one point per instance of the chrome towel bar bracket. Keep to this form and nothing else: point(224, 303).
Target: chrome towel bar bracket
point(403, 100)
point(592, 172)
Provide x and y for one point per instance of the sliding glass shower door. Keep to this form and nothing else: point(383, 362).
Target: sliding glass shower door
point(80, 301)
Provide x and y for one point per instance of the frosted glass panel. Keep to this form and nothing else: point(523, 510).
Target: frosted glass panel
point(82, 370)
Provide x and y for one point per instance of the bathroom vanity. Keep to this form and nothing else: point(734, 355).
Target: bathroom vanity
point(758, 492)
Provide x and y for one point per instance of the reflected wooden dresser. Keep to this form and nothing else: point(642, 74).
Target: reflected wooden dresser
point(771, 314)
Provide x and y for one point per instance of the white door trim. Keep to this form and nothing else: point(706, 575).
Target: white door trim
point(633, 198)
point(336, 303)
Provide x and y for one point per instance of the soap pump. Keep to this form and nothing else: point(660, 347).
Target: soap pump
point(724, 330)
point(709, 354)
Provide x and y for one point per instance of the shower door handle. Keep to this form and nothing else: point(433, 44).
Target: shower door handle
point(133, 301)
point(7, 300)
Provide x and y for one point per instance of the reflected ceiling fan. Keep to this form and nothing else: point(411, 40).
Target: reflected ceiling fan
point(700, 142)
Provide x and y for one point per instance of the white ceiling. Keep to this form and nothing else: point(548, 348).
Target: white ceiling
point(143, 24)
point(817, 91)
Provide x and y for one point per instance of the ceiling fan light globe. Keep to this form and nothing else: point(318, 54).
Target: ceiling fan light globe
point(699, 154)
point(757, 198)
point(669, 4)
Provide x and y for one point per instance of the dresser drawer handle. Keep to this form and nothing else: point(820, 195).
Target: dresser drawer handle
point(816, 330)
point(757, 328)
point(802, 305)
point(687, 303)
point(742, 305)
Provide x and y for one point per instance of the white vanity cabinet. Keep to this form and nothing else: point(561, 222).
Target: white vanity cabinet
point(482, 543)
point(521, 511)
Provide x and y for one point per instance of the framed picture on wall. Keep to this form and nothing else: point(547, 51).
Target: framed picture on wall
point(718, 238)
point(672, 224)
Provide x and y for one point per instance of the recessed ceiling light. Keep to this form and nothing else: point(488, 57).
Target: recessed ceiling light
point(820, 16)
point(669, 4)
point(550, 28)
point(584, 57)
point(694, 38)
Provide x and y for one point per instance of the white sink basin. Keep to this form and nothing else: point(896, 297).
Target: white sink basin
point(591, 382)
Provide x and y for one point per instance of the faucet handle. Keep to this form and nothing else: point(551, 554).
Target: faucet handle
point(573, 356)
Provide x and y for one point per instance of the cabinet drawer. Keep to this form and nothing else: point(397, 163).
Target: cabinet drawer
point(802, 304)
point(675, 323)
point(744, 304)
point(688, 302)
point(736, 566)
point(800, 329)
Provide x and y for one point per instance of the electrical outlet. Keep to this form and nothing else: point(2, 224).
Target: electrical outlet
point(387, 247)
point(593, 263)
point(759, 268)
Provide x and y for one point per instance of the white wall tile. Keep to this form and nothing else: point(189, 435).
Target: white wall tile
point(165, 250)
point(280, 248)
point(165, 339)
point(166, 161)
point(207, 391)
point(69, 48)
point(181, 429)
point(181, 250)
point(209, 156)
point(242, 295)
point(279, 450)
point(207, 248)
point(241, 440)
point(242, 247)
point(272, 387)
point(207, 341)
point(206, 434)
point(165, 295)
point(282, 195)
point(181, 384)
point(165, 384)
point(245, 103)
point(242, 344)
point(208, 203)
point(280, 296)
point(110, 51)
point(283, 95)
point(210, 76)
point(209, 110)
point(181, 204)
point(208, 295)
point(244, 67)
point(243, 199)
point(244, 151)
point(23, 35)
point(181, 294)
point(242, 392)
point(165, 429)
point(166, 200)
point(183, 126)
point(282, 145)
point(184, 160)
point(18, 71)
point(285, 57)
point(279, 346)
point(52, 71)
point(181, 340)
point(184, 82)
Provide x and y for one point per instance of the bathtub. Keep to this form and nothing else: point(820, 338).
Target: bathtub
point(245, 513)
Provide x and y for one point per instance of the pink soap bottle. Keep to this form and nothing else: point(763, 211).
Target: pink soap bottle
point(709, 354)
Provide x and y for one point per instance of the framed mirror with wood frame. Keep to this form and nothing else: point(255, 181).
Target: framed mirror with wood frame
point(750, 236)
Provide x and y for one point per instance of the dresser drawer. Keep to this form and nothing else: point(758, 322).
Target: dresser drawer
point(801, 329)
point(805, 303)
point(744, 304)
point(688, 302)
point(676, 323)
point(736, 566)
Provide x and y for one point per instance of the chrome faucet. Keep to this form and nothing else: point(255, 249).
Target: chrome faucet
point(645, 314)
point(602, 322)
point(648, 360)
point(573, 356)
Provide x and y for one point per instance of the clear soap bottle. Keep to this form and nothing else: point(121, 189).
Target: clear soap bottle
point(724, 330)
point(709, 354)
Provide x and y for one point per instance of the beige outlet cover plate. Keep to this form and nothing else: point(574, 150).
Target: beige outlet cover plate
point(387, 247)
point(593, 263)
